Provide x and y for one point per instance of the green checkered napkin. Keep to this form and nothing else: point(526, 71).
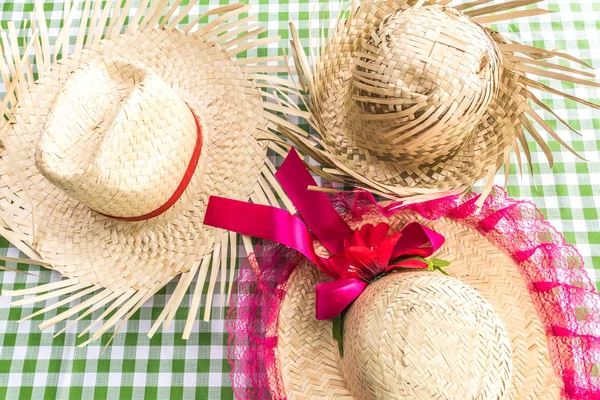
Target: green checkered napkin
point(36, 365)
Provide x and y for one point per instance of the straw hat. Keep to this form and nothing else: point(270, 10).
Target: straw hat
point(515, 319)
point(410, 335)
point(421, 335)
point(109, 157)
point(410, 98)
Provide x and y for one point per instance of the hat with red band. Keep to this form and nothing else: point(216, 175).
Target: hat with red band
point(110, 155)
point(366, 310)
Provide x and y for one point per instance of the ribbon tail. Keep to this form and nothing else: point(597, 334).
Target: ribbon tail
point(264, 222)
point(333, 297)
point(314, 207)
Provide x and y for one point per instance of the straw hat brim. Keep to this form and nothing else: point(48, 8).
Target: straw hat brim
point(308, 354)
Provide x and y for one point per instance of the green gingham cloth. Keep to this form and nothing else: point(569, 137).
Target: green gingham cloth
point(33, 364)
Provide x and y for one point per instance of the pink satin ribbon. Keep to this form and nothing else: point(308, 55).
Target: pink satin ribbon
point(333, 297)
point(356, 258)
point(315, 208)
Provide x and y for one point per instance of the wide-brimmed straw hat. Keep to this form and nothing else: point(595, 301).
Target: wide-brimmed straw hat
point(110, 155)
point(410, 98)
point(418, 335)
point(517, 317)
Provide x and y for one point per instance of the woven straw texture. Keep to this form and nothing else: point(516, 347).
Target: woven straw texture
point(413, 99)
point(123, 151)
point(309, 357)
point(421, 82)
point(36, 364)
point(422, 335)
point(125, 263)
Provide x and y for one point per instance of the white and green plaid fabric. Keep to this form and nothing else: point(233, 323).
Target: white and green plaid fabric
point(34, 364)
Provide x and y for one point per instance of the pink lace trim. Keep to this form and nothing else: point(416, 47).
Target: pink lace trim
point(561, 290)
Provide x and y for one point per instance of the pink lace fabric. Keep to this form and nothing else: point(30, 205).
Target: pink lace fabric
point(257, 294)
point(566, 299)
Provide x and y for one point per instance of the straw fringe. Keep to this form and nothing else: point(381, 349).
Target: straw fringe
point(95, 306)
point(129, 304)
point(182, 286)
point(195, 306)
point(50, 295)
point(217, 259)
point(132, 311)
point(103, 21)
point(520, 61)
point(509, 5)
point(75, 310)
point(540, 104)
point(80, 292)
point(526, 60)
point(490, 19)
point(24, 261)
point(232, 257)
point(16, 241)
point(114, 305)
point(466, 6)
point(538, 53)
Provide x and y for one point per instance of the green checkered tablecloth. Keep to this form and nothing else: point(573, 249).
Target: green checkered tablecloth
point(37, 365)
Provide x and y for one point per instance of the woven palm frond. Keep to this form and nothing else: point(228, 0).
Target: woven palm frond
point(419, 99)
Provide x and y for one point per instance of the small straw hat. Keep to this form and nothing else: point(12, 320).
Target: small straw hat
point(413, 98)
point(110, 155)
point(517, 317)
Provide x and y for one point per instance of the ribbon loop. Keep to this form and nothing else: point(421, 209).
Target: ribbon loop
point(264, 222)
point(316, 210)
point(418, 241)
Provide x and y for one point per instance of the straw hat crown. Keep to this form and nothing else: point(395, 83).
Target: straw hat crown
point(423, 79)
point(423, 336)
point(125, 149)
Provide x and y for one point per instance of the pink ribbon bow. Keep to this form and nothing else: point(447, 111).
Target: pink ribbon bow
point(358, 256)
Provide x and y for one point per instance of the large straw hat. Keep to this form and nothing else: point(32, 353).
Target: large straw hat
point(109, 157)
point(410, 98)
point(516, 318)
